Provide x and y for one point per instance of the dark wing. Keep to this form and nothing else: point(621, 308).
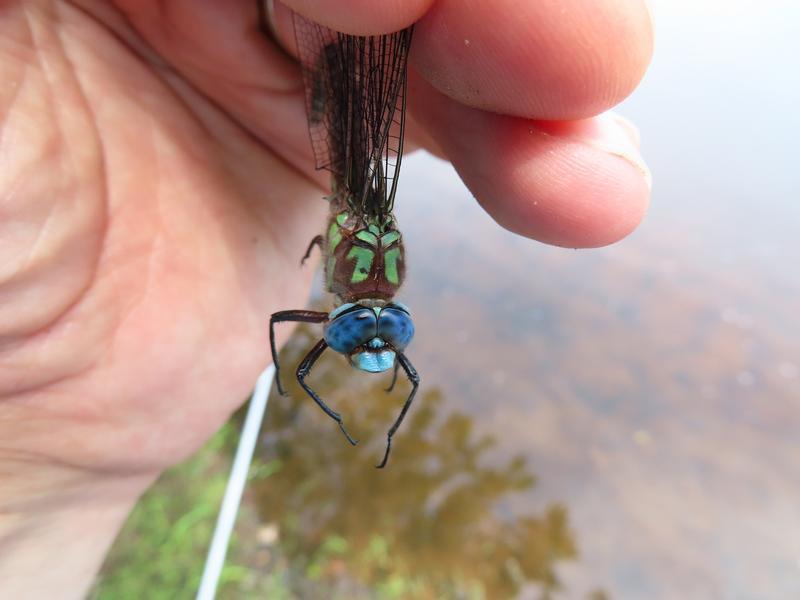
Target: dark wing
point(355, 100)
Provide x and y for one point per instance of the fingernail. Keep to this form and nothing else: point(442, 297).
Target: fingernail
point(616, 135)
point(629, 127)
point(609, 132)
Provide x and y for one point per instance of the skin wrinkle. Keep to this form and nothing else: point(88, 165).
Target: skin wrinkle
point(7, 113)
point(154, 244)
point(102, 177)
point(73, 478)
point(191, 96)
point(41, 340)
point(43, 67)
point(291, 156)
point(167, 73)
point(119, 26)
point(279, 242)
point(146, 282)
point(42, 337)
point(240, 151)
point(277, 58)
point(209, 115)
point(39, 240)
point(185, 91)
point(156, 254)
point(28, 265)
point(243, 90)
point(9, 107)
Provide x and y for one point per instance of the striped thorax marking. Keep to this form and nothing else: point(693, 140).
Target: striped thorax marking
point(373, 252)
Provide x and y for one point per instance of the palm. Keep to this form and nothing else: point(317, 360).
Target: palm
point(162, 234)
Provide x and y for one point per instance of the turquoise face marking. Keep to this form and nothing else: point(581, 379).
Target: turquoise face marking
point(374, 362)
point(376, 342)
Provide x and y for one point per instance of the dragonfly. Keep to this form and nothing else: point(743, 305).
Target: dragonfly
point(355, 93)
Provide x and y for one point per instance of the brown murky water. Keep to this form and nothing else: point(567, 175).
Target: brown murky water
point(619, 423)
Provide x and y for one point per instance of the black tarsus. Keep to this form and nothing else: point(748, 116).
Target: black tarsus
point(303, 370)
point(394, 377)
point(317, 241)
point(413, 377)
point(297, 316)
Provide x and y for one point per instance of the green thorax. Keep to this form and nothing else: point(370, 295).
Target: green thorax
point(365, 258)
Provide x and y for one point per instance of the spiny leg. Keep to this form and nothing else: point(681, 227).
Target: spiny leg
point(303, 370)
point(317, 241)
point(299, 316)
point(413, 377)
point(394, 377)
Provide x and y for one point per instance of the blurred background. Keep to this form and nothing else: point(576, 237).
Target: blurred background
point(614, 423)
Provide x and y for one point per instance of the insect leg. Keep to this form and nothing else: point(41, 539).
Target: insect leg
point(303, 370)
point(317, 241)
point(413, 377)
point(300, 316)
point(394, 377)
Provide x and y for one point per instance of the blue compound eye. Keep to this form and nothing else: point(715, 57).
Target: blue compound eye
point(395, 327)
point(351, 329)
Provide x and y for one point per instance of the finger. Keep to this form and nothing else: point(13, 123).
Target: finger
point(546, 60)
point(543, 60)
point(572, 183)
point(361, 17)
point(418, 137)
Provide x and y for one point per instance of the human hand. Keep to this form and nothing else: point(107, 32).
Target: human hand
point(156, 193)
